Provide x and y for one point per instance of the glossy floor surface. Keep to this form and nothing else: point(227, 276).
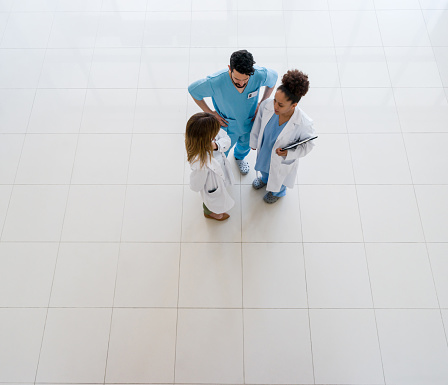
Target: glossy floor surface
point(109, 273)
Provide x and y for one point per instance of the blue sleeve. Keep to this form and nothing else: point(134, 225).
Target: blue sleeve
point(270, 79)
point(201, 89)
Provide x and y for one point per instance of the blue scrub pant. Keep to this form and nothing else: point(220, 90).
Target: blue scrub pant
point(242, 147)
point(265, 177)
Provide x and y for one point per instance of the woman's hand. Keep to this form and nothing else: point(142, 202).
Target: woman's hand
point(221, 120)
point(279, 152)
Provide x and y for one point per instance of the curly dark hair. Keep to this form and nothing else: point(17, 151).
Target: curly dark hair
point(295, 84)
point(243, 62)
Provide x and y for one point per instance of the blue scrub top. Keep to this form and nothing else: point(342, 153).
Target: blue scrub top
point(270, 135)
point(237, 108)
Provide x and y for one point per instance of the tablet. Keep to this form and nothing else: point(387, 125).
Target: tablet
point(295, 144)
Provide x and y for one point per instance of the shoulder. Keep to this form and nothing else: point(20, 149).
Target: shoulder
point(267, 105)
point(218, 76)
point(301, 118)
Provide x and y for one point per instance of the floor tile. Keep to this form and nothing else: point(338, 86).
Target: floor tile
point(34, 5)
point(10, 151)
point(148, 275)
point(142, 346)
point(5, 195)
point(337, 275)
point(15, 109)
point(441, 54)
point(5, 5)
point(370, 110)
point(152, 214)
point(355, 28)
point(20, 68)
point(57, 111)
point(434, 4)
point(171, 5)
point(379, 159)
point(303, 5)
point(438, 253)
point(413, 347)
point(433, 209)
point(47, 159)
point(157, 159)
point(330, 214)
point(277, 347)
point(331, 149)
point(85, 275)
point(210, 280)
point(401, 275)
point(265, 37)
point(167, 29)
point(26, 273)
point(396, 4)
point(21, 333)
point(389, 213)
point(74, 347)
point(349, 5)
point(79, 5)
point(401, 28)
point(345, 347)
point(273, 275)
point(124, 5)
point(264, 5)
point(308, 29)
point(209, 346)
point(428, 158)
point(436, 21)
point(422, 110)
point(94, 214)
point(35, 213)
point(120, 29)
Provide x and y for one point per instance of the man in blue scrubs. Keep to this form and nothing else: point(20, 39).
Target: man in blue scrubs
point(235, 93)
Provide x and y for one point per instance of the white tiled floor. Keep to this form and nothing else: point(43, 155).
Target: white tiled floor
point(110, 274)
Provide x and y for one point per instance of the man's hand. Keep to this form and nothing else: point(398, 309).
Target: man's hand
point(256, 111)
point(221, 120)
point(279, 152)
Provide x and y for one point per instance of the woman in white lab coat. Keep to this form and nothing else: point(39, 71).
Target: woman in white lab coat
point(206, 143)
point(278, 123)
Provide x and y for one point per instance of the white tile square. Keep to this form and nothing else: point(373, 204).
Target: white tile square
point(434, 4)
point(108, 111)
point(124, 5)
point(349, 5)
point(433, 207)
point(328, 120)
point(273, 275)
point(102, 159)
point(355, 28)
point(277, 347)
point(3, 22)
point(209, 346)
point(413, 346)
point(85, 275)
point(5, 195)
point(20, 68)
point(438, 255)
point(167, 29)
point(66, 68)
point(120, 29)
point(401, 28)
point(197, 228)
point(337, 275)
point(170, 61)
point(57, 111)
point(389, 213)
point(428, 158)
point(160, 111)
point(370, 110)
point(400, 275)
point(15, 109)
point(26, 273)
point(5, 5)
point(27, 30)
point(79, 5)
point(436, 22)
point(210, 275)
point(21, 333)
point(412, 67)
point(263, 5)
point(345, 347)
point(47, 159)
point(94, 214)
point(148, 275)
point(206, 5)
point(115, 68)
point(152, 214)
point(441, 54)
point(142, 346)
point(74, 347)
point(74, 29)
point(274, 36)
point(303, 5)
point(355, 62)
point(331, 149)
point(379, 159)
point(34, 5)
point(396, 4)
point(308, 29)
point(35, 213)
point(172, 5)
point(10, 151)
point(318, 63)
point(151, 164)
point(330, 214)
point(262, 222)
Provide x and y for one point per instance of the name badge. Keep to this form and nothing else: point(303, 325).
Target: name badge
point(252, 95)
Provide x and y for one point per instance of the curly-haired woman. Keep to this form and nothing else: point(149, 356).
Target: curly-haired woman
point(278, 123)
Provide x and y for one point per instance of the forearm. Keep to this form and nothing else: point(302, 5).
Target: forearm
point(267, 93)
point(203, 105)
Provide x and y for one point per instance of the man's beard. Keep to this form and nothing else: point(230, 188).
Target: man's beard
point(238, 86)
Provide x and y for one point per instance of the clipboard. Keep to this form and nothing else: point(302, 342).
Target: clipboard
point(295, 144)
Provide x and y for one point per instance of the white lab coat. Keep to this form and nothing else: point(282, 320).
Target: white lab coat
point(283, 170)
point(214, 176)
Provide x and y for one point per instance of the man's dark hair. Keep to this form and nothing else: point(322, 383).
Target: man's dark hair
point(243, 62)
